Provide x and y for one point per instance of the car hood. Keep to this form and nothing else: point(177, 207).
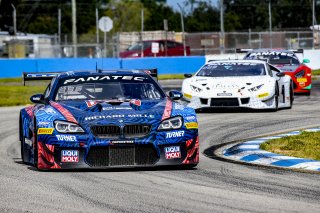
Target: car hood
point(102, 112)
point(239, 82)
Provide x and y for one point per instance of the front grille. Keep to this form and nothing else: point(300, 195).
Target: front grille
point(145, 155)
point(98, 156)
point(136, 131)
point(224, 102)
point(245, 100)
point(108, 131)
point(122, 156)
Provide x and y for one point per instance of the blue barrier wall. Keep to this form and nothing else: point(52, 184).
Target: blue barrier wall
point(165, 65)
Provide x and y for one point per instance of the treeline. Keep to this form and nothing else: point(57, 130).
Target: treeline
point(34, 16)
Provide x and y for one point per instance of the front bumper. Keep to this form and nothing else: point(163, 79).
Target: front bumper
point(118, 155)
point(232, 102)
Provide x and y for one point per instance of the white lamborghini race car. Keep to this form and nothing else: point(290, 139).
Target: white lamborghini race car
point(238, 83)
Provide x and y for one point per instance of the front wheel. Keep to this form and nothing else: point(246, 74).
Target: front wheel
point(276, 100)
point(291, 97)
point(35, 148)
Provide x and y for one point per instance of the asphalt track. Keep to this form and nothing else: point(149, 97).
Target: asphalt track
point(215, 186)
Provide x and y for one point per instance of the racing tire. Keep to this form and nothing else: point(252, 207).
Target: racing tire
point(276, 99)
point(308, 93)
point(35, 148)
point(22, 142)
point(291, 97)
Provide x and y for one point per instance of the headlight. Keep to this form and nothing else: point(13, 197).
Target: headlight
point(67, 127)
point(300, 74)
point(171, 123)
point(195, 89)
point(256, 88)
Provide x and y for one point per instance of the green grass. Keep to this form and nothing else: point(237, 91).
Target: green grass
point(171, 76)
point(305, 145)
point(316, 72)
point(13, 93)
point(10, 80)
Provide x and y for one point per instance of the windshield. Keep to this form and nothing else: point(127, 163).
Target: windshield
point(232, 69)
point(137, 46)
point(275, 57)
point(108, 91)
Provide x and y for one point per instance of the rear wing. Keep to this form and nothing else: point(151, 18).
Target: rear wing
point(297, 51)
point(152, 72)
point(38, 76)
point(243, 50)
point(248, 50)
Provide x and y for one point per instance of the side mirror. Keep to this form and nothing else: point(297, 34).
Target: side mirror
point(305, 61)
point(280, 74)
point(37, 99)
point(188, 75)
point(175, 95)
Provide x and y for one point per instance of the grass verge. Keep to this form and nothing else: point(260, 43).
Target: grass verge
point(316, 72)
point(13, 93)
point(171, 76)
point(305, 145)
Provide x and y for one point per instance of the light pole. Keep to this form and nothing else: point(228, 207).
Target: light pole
point(74, 28)
point(182, 28)
point(14, 15)
point(221, 27)
point(270, 24)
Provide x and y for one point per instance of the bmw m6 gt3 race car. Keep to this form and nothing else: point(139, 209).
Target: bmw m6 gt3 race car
point(238, 83)
point(107, 119)
point(287, 62)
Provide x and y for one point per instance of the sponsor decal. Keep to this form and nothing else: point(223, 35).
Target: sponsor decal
point(302, 84)
point(116, 108)
point(136, 102)
point(44, 123)
point(69, 138)
point(191, 125)
point(45, 131)
point(271, 53)
point(172, 152)
point(70, 156)
point(178, 106)
point(224, 94)
point(262, 95)
point(191, 118)
point(301, 80)
point(229, 64)
point(122, 141)
point(175, 134)
point(118, 116)
point(187, 95)
point(104, 78)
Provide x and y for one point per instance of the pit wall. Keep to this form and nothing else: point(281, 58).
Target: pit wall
point(165, 65)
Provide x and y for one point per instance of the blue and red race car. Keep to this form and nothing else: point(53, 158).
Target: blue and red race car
point(288, 62)
point(106, 119)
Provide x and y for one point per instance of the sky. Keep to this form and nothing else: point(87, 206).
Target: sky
point(173, 3)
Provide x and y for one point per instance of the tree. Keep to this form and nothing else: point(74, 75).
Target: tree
point(203, 19)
